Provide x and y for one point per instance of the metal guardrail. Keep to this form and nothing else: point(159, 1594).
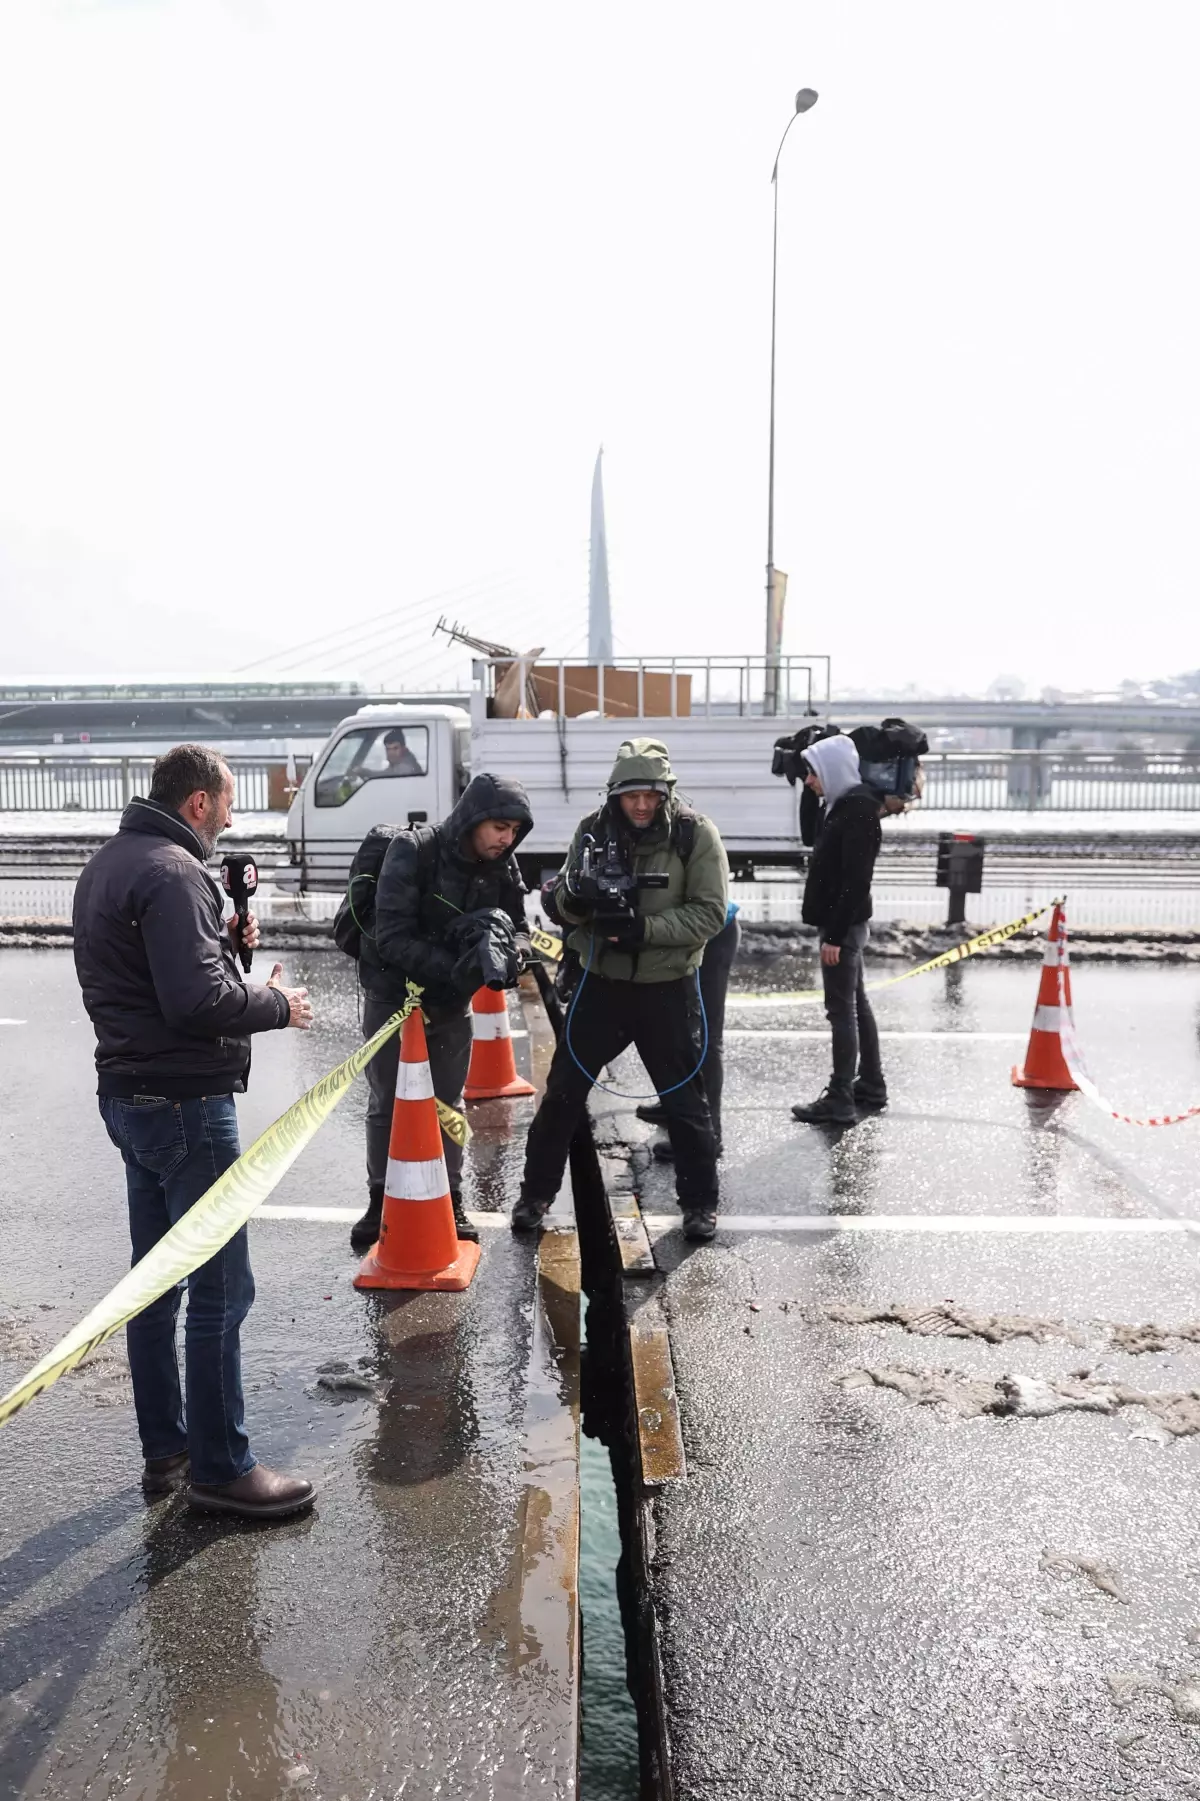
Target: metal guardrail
point(106, 784)
point(977, 781)
point(1063, 781)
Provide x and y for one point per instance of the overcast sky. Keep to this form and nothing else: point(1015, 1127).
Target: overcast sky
point(315, 308)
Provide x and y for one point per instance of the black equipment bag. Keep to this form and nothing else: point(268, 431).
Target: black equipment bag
point(888, 755)
point(355, 917)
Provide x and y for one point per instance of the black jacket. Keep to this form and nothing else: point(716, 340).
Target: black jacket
point(417, 897)
point(837, 894)
point(159, 977)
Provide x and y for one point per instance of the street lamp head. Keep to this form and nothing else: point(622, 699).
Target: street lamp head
point(806, 99)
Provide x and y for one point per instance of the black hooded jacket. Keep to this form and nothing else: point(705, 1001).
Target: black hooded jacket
point(160, 980)
point(418, 896)
point(837, 893)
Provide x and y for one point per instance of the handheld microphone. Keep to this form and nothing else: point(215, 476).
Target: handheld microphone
point(239, 878)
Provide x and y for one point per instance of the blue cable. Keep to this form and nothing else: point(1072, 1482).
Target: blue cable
point(595, 1080)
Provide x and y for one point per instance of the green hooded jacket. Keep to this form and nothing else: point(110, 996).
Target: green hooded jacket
point(680, 918)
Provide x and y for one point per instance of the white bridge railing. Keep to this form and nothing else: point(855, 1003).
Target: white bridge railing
point(99, 784)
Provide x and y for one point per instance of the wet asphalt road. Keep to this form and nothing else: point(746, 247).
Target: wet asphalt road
point(408, 1638)
point(863, 1594)
point(858, 1594)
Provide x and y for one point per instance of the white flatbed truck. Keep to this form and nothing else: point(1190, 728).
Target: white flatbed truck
point(709, 711)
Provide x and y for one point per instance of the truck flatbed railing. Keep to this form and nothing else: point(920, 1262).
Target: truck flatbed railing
point(668, 687)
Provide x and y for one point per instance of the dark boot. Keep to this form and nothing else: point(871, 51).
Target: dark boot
point(462, 1224)
point(663, 1151)
point(162, 1475)
point(699, 1224)
point(653, 1112)
point(529, 1212)
point(833, 1108)
point(365, 1231)
point(870, 1092)
point(261, 1494)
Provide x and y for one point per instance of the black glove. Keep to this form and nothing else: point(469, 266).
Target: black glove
point(629, 929)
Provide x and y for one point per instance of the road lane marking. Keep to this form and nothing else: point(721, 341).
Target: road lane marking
point(339, 1216)
point(765, 1003)
point(660, 1223)
point(941, 1037)
point(14, 1022)
point(1019, 1223)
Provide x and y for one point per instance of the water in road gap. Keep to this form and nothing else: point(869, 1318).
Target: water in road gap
point(608, 1764)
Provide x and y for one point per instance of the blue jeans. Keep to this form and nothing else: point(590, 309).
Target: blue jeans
point(174, 1151)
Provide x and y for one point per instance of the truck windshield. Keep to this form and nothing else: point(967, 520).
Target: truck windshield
point(373, 754)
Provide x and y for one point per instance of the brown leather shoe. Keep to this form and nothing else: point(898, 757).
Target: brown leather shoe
point(162, 1475)
point(261, 1494)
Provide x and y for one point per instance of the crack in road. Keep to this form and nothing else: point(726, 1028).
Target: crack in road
point(1175, 1411)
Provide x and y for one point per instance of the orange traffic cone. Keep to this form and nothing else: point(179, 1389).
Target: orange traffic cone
point(418, 1246)
point(493, 1071)
point(1045, 1066)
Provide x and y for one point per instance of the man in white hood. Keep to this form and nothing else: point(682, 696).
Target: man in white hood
point(837, 900)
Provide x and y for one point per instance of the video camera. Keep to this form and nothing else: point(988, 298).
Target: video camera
point(603, 883)
point(788, 753)
point(486, 941)
point(888, 754)
point(495, 951)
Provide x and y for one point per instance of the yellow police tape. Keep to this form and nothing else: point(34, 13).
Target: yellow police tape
point(552, 947)
point(453, 1124)
point(216, 1216)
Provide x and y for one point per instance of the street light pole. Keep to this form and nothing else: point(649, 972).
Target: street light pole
point(805, 100)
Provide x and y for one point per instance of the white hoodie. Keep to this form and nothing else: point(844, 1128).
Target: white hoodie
point(836, 762)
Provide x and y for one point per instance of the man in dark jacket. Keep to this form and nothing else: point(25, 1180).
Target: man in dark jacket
point(837, 900)
point(438, 889)
point(173, 1020)
point(639, 969)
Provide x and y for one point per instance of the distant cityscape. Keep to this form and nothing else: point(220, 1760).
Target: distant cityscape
point(1184, 687)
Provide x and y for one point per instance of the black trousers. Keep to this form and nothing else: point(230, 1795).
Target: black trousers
point(848, 1010)
point(608, 1018)
point(719, 954)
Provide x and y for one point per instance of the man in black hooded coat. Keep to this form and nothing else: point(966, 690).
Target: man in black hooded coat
point(431, 881)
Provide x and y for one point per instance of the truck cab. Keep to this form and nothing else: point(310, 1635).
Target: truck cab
point(384, 765)
point(555, 726)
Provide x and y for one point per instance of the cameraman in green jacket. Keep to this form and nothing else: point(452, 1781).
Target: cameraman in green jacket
point(644, 887)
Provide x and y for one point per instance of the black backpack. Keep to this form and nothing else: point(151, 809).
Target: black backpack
point(355, 917)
